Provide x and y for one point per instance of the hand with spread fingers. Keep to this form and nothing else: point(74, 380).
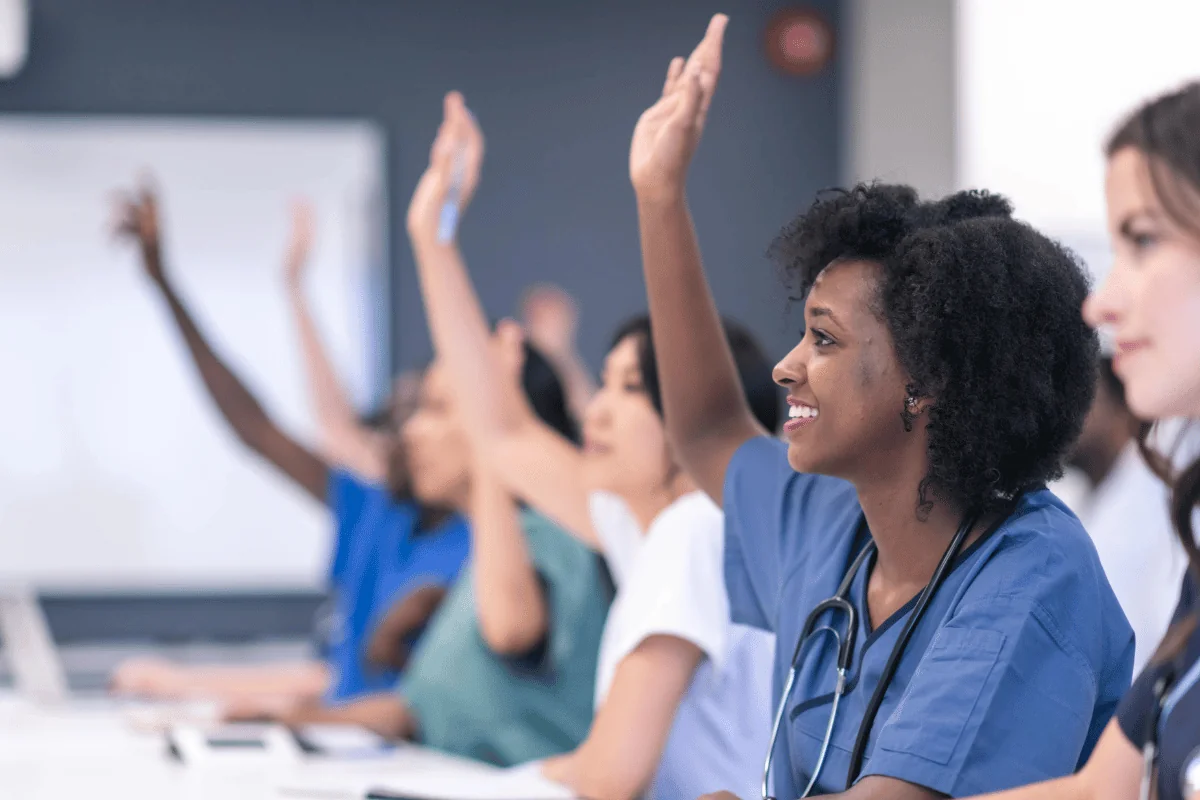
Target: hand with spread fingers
point(668, 132)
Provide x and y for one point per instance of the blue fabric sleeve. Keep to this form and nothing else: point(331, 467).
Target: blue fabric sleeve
point(347, 498)
point(1000, 699)
point(755, 485)
point(436, 557)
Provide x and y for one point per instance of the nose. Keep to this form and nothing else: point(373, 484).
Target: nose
point(792, 369)
point(1106, 305)
point(596, 410)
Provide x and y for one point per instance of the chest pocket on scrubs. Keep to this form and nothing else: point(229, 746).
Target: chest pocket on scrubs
point(943, 692)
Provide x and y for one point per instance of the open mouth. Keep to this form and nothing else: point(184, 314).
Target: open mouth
point(800, 415)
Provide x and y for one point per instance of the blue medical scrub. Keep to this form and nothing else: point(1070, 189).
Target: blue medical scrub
point(379, 558)
point(1017, 665)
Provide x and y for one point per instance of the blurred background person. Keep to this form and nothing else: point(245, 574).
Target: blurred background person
point(1123, 506)
point(395, 554)
point(682, 694)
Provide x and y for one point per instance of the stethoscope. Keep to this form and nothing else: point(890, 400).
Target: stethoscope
point(845, 657)
point(1167, 690)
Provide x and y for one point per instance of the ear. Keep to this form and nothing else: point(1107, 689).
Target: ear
point(916, 400)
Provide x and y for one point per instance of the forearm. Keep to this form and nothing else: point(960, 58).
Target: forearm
point(303, 681)
point(509, 599)
point(460, 332)
point(702, 393)
point(618, 759)
point(577, 381)
point(1072, 787)
point(345, 440)
point(235, 402)
point(385, 714)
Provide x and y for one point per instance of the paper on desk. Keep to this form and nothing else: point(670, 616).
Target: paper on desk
point(518, 783)
point(419, 774)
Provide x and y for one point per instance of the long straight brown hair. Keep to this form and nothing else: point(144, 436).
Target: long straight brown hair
point(1166, 130)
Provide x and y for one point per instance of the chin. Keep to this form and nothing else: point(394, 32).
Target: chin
point(1153, 401)
point(803, 459)
point(596, 473)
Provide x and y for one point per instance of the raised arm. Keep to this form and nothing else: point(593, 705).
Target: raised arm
point(344, 441)
point(138, 220)
point(536, 464)
point(706, 412)
point(510, 602)
point(551, 318)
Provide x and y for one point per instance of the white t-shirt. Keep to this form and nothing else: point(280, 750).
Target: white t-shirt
point(1129, 523)
point(670, 580)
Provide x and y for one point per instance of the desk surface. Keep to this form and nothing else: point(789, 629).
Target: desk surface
point(91, 751)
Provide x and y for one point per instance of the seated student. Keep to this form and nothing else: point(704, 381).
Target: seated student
point(391, 556)
point(942, 374)
point(682, 696)
point(506, 669)
point(1148, 305)
point(1123, 495)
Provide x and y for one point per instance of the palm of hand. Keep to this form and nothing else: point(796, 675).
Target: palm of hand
point(663, 142)
point(667, 134)
point(456, 157)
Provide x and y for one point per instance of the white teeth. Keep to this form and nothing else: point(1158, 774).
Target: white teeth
point(802, 412)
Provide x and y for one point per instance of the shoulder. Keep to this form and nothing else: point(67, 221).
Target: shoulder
point(550, 546)
point(686, 540)
point(1040, 566)
point(764, 493)
point(345, 486)
point(1041, 548)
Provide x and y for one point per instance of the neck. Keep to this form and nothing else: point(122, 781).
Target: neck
point(908, 544)
point(648, 505)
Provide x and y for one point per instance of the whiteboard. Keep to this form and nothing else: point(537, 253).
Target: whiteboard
point(1042, 85)
point(115, 468)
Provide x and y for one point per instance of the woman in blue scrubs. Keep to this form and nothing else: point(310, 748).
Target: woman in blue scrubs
point(942, 373)
point(1150, 304)
point(394, 559)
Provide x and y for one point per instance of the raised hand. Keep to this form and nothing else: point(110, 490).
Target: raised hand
point(136, 219)
point(453, 173)
point(299, 244)
point(668, 132)
point(508, 350)
point(551, 317)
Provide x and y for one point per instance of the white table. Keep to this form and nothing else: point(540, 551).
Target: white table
point(90, 750)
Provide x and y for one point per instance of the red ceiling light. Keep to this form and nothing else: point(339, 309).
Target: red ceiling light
point(799, 41)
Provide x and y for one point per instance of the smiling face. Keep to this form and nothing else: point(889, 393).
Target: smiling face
point(846, 388)
point(1150, 301)
point(625, 442)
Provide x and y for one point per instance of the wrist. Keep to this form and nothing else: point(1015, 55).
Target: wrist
point(427, 242)
point(662, 201)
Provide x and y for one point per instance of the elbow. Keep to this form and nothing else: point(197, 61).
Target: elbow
point(512, 634)
point(612, 784)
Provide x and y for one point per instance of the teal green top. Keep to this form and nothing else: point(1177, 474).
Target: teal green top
point(469, 701)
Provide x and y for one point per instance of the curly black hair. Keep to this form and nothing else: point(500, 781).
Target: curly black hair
point(985, 315)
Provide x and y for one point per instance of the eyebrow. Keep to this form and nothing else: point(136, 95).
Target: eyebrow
point(824, 311)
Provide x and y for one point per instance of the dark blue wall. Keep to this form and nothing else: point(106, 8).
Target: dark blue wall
point(556, 85)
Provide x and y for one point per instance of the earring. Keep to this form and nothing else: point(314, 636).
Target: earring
point(909, 413)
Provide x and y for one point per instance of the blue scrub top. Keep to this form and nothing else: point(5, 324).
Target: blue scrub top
point(1009, 679)
point(379, 558)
